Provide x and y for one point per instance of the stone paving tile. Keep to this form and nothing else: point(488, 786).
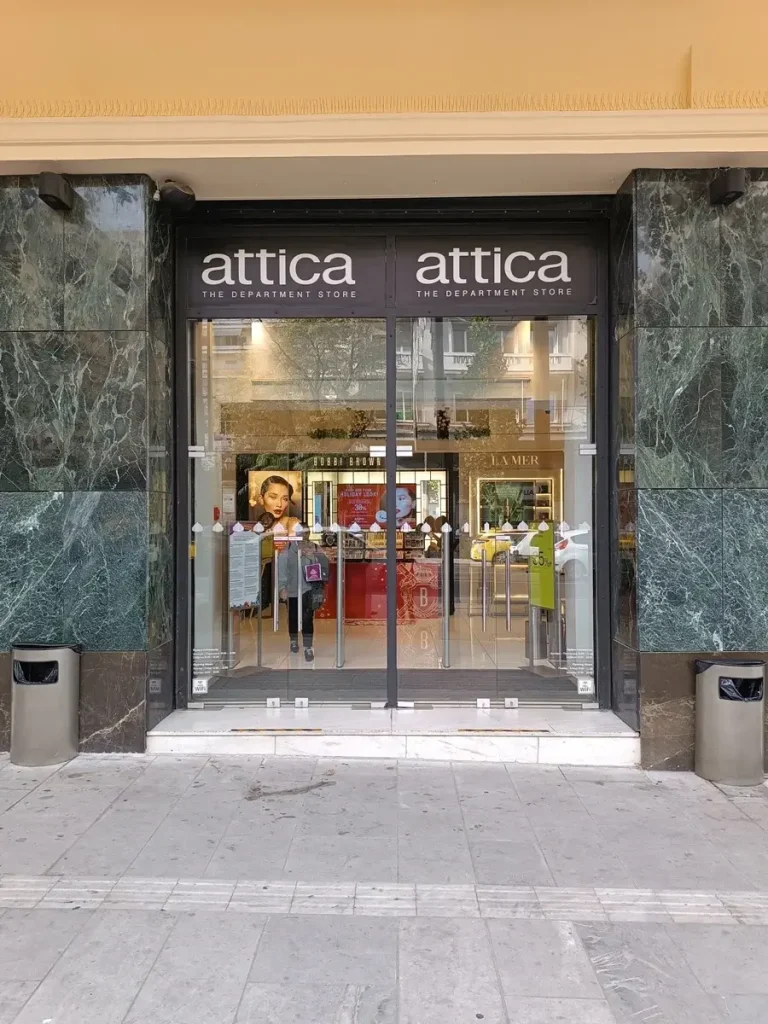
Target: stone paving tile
point(446, 901)
point(22, 892)
point(446, 973)
point(140, 893)
point(100, 973)
point(315, 950)
point(317, 1004)
point(312, 898)
point(535, 957)
point(544, 1010)
point(13, 996)
point(382, 899)
point(645, 976)
point(509, 901)
point(82, 893)
point(263, 897)
point(397, 900)
point(200, 895)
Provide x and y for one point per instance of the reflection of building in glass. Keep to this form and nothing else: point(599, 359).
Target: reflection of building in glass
point(532, 376)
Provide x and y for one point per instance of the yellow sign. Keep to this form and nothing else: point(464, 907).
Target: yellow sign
point(541, 569)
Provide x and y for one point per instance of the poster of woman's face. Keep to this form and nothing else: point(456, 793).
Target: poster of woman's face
point(405, 503)
point(276, 492)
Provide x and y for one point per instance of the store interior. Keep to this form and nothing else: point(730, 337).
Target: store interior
point(494, 555)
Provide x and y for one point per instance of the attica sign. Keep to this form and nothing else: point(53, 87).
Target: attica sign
point(363, 274)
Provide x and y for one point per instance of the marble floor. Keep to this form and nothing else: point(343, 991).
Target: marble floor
point(483, 661)
point(177, 890)
point(420, 644)
point(546, 734)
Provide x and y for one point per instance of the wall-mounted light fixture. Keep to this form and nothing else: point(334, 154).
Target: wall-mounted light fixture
point(55, 191)
point(728, 186)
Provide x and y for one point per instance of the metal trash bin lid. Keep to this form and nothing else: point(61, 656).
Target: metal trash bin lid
point(77, 648)
point(702, 664)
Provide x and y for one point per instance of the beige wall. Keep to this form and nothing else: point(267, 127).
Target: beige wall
point(299, 56)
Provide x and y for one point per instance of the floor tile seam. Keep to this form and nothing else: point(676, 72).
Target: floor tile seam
point(294, 834)
point(599, 828)
point(711, 997)
point(264, 923)
point(144, 980)
point(169, 811)
point(87, 917)
point(496, 970)
point(463, 827)
point(716, 843)
point(519, 794)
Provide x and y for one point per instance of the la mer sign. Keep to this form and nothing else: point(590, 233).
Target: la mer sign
point(348, 275)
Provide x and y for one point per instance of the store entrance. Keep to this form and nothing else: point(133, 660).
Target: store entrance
point(308, 580)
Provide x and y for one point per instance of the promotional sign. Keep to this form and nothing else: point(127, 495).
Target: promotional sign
point(359, 503)
point(244, 570)
point(541, 569)
point(366, 504)
point(275, 495)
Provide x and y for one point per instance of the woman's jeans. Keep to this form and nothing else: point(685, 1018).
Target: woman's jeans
point(307, 619)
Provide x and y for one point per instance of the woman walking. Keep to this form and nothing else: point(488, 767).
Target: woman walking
point(305, 583)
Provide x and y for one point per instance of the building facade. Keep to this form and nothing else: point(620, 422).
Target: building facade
point(478, 327)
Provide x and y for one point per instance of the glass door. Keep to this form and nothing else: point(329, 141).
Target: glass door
point(495, 429)
point(488, 540)
point(287, 559)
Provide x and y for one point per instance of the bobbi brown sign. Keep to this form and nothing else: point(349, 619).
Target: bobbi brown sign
point(503, 274)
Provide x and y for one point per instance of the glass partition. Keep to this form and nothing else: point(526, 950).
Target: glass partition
point(493, 545)
point(288, 574)
point(499, 414)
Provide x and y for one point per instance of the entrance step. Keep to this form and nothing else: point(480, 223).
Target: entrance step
point(556, 735)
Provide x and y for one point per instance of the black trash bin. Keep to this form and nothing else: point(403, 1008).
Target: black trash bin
point(45, 698)
point(730, 702)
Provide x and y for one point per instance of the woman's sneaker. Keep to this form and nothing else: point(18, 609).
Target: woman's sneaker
point(309, 654)
point(294, 646)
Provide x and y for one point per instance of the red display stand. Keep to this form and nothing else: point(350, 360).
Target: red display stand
point(365, 596)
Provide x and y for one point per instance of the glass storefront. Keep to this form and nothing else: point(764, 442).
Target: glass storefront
point(494, 568)
point(392, 508)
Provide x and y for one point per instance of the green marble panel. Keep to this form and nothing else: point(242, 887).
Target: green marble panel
point(105, 248)
point(680, 570)
point(679, 408)
point(744, 241)
point(745, 407)
point(31, 259)
point(745, 570)
point(73, 568)
point(73, 410)
point(678, 250)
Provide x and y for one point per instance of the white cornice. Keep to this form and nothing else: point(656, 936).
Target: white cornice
point(384, 155)
point(676, 131)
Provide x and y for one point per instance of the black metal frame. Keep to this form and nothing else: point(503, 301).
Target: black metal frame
point(555, 215)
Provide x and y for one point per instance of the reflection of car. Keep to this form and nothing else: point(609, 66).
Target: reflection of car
point(571, 556)
point(494, 545)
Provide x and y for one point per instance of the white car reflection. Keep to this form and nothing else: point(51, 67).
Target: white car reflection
point(572, 557)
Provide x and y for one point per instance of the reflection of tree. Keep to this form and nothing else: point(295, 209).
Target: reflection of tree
point(486, 339)
point(328, 358)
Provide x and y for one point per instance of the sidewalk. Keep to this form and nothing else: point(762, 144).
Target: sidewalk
point(295, 891)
